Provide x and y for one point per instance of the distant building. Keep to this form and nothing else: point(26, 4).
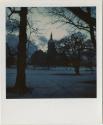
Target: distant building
point(51, 53)
point(51, 45)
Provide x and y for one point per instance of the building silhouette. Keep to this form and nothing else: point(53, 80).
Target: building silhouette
point(51, 53)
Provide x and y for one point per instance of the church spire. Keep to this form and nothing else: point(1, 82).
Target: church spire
point(51, 37)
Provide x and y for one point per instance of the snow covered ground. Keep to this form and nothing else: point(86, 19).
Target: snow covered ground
point(55, 83)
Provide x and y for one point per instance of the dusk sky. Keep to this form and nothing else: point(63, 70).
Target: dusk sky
point(40, 19)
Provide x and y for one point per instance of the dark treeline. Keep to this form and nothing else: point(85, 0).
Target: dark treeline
point(71, 51)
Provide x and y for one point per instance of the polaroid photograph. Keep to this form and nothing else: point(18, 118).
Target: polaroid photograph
point(51, 62)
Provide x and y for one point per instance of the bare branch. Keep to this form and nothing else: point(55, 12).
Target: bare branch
point(82, 15)
point(12, 11)
point(68, 19)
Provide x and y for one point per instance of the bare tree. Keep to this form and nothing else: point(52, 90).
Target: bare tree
point(21, 60)
point(84, 15)
point(77, 17)
point(72, 46)
point(20, 85)
point(23, 26)
point(88, 18)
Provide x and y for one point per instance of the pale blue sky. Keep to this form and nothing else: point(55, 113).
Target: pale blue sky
point(39, 18)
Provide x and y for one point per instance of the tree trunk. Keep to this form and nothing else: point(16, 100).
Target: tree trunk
point(77, 70)
point(91, 28)
point(82, 14)
point(20, 85)
point(86, 16)
point(77, 64)
point(92, 36)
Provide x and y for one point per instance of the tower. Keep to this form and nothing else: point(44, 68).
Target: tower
point(51, 51)
point(51, 36)
point(51, 45)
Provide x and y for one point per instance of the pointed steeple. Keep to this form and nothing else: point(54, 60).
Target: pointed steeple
point(51, 37)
